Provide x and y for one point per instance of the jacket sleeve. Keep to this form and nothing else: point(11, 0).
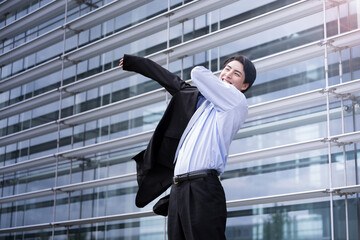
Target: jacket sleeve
point(148, 68)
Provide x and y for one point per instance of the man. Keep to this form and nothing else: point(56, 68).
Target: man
point(217, 108)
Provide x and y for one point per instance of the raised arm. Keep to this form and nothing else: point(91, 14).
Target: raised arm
point(148, 68)
point(223, 95)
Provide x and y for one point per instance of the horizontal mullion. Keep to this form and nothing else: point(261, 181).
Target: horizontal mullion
point(71, 28)
point(35, 18)
point(97, 183)
point(310, 97)
point(11, 5)
point(346, 190)
point(28, 164)
point(320, 143)
point(94, 114)
point(235, 158)
point(117, 107)
point(79, 152)
point(278, 151)
point(34, 73)
point(222, 36)
point(110, 218)
point(157, 95)
point(70, 188)
point(26, 196)
point(287, 123)
point(268, 63)
point(315, 144)
point(146, 28)
point(33, 227)
point(240, 30)
point(278, 198)
point(30, 133)
point(286, 103)
point(263, 64)
point(232, 158)
point(320, 193)
point(31, 103)
point(36, 44)
point(308, 51)
point(129, 35)
point(340, 191)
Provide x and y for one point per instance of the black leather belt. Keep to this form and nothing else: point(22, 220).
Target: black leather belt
point(193, 175)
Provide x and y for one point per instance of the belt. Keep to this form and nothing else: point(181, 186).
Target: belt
point(193, 175)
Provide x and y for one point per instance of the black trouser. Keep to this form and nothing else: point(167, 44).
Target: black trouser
point(197, 210)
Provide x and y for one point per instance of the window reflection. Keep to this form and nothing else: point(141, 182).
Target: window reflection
point(272, 175)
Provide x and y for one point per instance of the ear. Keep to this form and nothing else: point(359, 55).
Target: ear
point(244, 86)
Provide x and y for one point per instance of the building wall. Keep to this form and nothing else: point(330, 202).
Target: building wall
point(71, 119)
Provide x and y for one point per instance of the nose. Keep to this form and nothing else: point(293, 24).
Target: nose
point(229, 74)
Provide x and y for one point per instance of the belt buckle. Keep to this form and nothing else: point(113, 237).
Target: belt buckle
point(175, 180)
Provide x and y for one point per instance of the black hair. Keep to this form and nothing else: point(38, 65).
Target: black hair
point(249, 68)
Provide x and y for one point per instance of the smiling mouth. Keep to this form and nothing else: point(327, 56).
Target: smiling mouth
point(227, 81)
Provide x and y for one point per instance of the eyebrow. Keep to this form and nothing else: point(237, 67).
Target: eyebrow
point(234, 70)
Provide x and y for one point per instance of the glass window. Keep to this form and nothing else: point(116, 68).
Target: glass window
point(289, 220)
point(5, 71)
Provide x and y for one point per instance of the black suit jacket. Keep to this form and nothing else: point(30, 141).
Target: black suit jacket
point(154, 165)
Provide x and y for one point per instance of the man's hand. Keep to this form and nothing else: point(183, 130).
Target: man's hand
point(121, 63)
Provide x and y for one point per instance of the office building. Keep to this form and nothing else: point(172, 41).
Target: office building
point(71, 119)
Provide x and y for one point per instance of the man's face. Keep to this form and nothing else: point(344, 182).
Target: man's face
point(233, 73)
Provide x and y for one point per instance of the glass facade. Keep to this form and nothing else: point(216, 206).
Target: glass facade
point(71, 119)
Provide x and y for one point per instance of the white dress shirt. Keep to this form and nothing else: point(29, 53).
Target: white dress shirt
point(206, 145)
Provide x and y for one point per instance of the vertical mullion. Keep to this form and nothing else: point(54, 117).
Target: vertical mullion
point(343, 127)
point(59, 116)
point(328, 120)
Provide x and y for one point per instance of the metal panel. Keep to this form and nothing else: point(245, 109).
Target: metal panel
point(195, 46)
point(320, 193)
point(70, 188)
point(31, 103)
point(26, 228)
point(36, 162)
point(71, 28)
point(11, 5)
point(286, 103)
point(263, 64)
point(79, 152)
point(278, 198)
point(97, 183)
point(30, 133)
point(145, 136)
point(117, 107)
point(270, 107)
point(97, 113)
point(278, 151)
point(243, 29)
point(33, 74)
point(35, 18)
point(26, 196)
point(308, 51)
point(272, 62)
point(287, 123)
point(109, 218)
point(133, 33)
point(319, 143)
point(303, 98)
point(156, 24)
